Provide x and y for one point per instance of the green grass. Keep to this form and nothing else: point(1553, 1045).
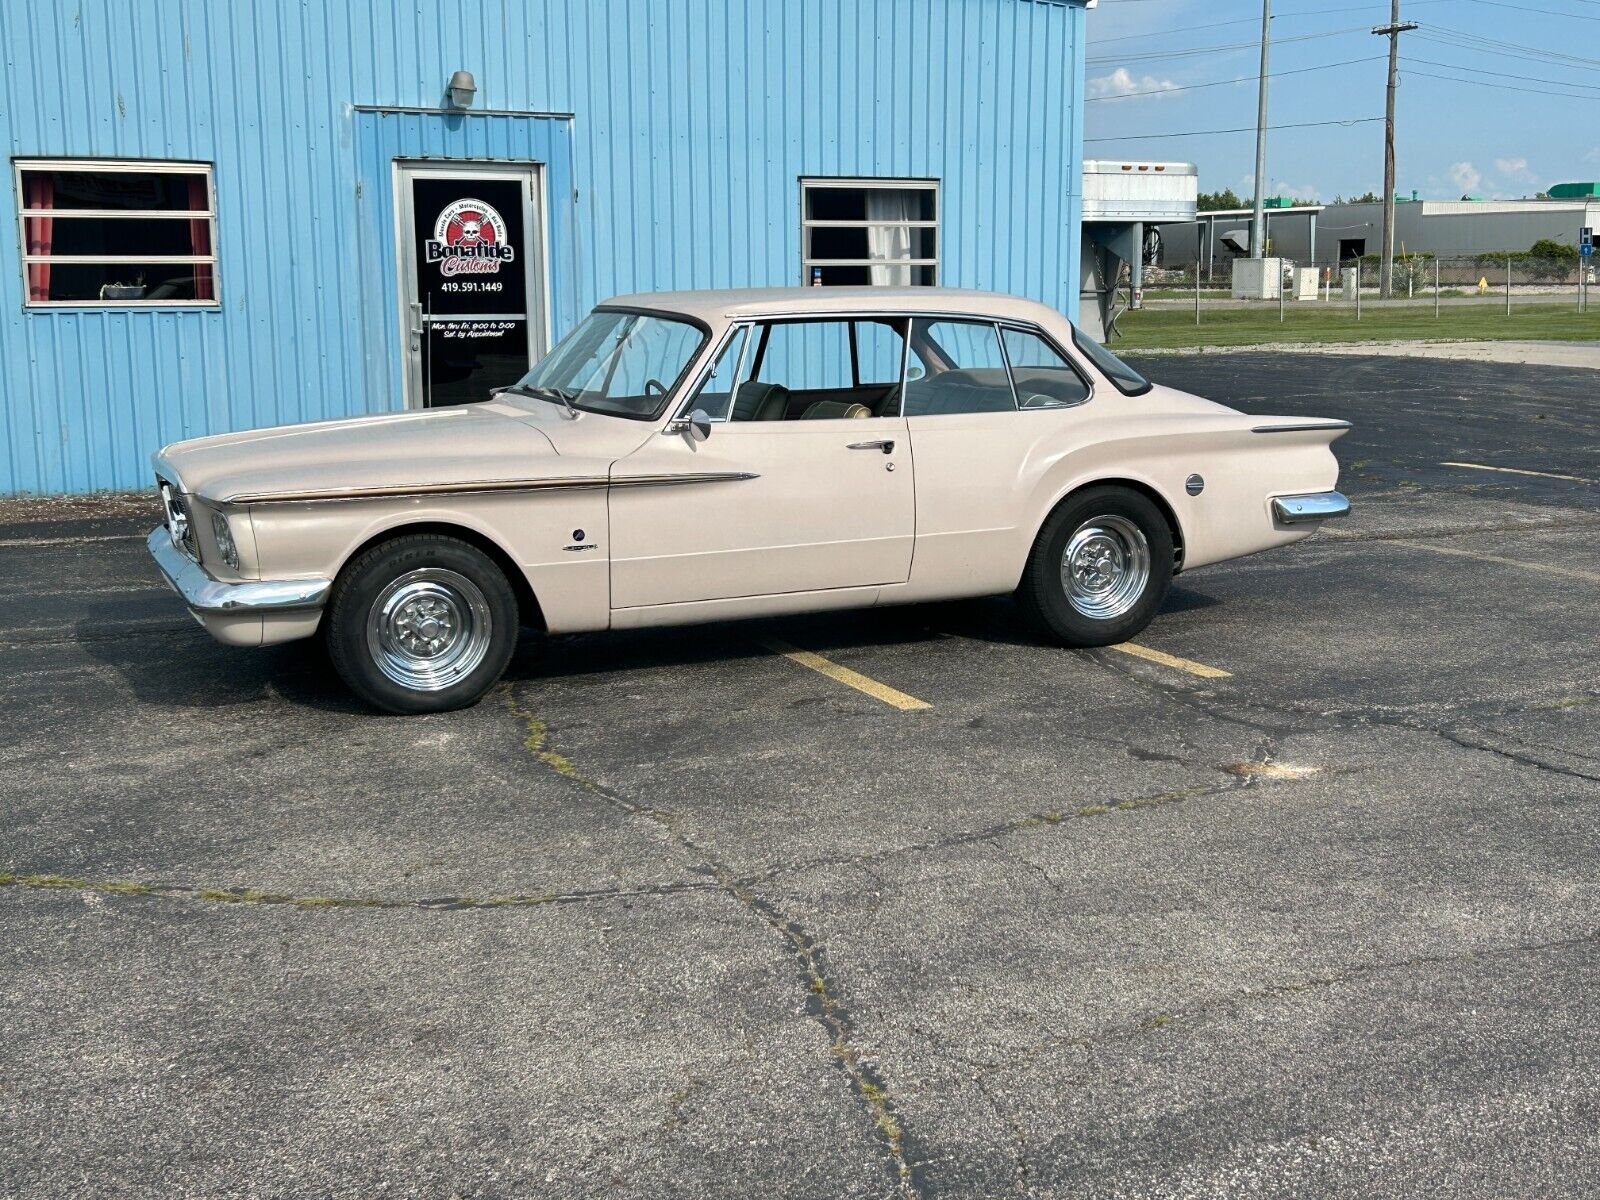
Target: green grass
point(1170, 328)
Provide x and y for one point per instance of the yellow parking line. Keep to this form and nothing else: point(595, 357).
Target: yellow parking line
point(1173, 661)
point(844, 675)
point(1544, 568)
point(1518, 471)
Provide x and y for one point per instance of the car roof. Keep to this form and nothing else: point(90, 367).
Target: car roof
point(773, 302)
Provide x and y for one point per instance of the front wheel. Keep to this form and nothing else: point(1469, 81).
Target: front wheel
point(1099, 569)
point(421, 624)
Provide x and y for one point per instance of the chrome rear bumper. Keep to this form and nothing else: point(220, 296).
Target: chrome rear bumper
point(204, 594)
point(1308, 510)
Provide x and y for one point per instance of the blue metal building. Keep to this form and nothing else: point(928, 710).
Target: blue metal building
point(236, 213)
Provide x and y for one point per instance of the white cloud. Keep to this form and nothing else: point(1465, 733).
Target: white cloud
point(1514, 168)
point(1466, 176)
point(1122, 83)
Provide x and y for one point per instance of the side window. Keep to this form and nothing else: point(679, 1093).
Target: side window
point(879, 348)
point(957, 368)
point(716, 393)
point(1043, 378)
point(806, 356)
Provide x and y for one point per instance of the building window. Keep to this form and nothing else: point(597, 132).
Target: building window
point(883, 232)
point(117, 234)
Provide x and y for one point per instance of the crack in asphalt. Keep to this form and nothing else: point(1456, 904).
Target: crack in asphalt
point(823, 1001)
point(1194, 1013)
point(1344, 718)
point(1001, 829)
point(1457, 738)
point(243, 895)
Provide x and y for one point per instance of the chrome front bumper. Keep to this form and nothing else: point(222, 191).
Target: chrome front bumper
point(1308, 510)
point(204, 594)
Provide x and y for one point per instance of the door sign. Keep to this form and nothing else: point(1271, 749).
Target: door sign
point(474, 316)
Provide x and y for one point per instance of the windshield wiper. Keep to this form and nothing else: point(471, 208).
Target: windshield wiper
point(541, 393)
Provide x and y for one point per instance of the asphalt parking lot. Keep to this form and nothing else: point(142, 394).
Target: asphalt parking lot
point(1307, 907)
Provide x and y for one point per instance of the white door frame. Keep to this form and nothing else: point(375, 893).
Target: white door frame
point(535, 261)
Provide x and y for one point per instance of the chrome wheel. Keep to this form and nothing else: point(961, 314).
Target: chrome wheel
point(429, 629)
point(1106, 567)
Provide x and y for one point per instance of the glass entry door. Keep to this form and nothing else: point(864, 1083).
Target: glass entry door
point(471, 278)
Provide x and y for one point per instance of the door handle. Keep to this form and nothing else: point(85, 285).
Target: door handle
point(884, 444)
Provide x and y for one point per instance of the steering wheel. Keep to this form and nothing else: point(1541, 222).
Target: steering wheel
point(655, 383)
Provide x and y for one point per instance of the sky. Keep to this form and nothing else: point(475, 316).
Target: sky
point(1517, 108)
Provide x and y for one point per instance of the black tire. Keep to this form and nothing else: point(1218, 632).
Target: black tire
point(394, 603)
point(1107, 516)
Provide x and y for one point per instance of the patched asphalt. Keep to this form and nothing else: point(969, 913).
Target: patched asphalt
point(672, 915)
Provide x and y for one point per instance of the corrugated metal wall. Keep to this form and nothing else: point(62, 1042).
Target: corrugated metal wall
point(692, 122)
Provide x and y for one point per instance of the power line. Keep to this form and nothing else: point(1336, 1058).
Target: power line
point(1504, 87)
point(1190, 87)
point(1312, 12)
point(1570, 83)
point(1462, 40)
point(1162, 55)
point(1145, 137)
point(1549, 12)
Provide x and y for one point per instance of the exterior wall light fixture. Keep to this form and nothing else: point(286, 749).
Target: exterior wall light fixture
point(462, 89)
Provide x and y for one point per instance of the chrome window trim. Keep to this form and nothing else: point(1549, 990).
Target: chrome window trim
point(1071, 362)
point(930, 184)
point(124, 166)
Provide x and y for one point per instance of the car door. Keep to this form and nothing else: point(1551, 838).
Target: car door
point(788, 494)
point(989, 407)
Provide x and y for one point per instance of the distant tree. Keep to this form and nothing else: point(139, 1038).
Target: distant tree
point(1556, 251)
point(1218, 201)
point(1365, 198)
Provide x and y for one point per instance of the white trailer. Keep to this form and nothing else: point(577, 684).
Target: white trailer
point(1125, 202)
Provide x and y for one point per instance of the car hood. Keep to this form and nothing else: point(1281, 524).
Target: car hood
point(445, 447)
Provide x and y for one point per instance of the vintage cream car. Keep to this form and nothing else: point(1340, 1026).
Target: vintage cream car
point(699, 456)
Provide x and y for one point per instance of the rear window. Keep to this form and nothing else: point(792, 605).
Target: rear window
point(1128, 381)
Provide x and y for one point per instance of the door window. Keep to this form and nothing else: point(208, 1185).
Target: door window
point(1042, 378)
point(806, 371)
point(957, 367)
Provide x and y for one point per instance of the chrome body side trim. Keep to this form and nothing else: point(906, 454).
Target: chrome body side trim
point(400, 491)
point(1303, 427)
point(205, 594)
point(394, 491)
point(1308, 510)
point(674, 480)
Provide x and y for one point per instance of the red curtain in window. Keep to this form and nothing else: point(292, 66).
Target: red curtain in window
point(39, 191)
point(200, 238)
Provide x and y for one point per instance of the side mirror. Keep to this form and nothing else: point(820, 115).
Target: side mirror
point(698, 426)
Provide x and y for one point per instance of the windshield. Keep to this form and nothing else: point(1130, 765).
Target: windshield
point(623, 364)
point(1129, 382)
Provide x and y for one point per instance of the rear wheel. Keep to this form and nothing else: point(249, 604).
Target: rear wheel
point(1099, 568)
point(421, 624)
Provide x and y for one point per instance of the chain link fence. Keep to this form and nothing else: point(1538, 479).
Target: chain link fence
point(1417, 277)
point(1464, 297)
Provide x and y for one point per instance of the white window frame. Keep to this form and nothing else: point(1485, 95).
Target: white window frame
point(129, 166)
point(807, 182)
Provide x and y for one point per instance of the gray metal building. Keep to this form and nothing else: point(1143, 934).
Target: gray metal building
point(1326, 235)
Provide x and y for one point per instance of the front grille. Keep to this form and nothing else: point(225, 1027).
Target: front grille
point(179, 527)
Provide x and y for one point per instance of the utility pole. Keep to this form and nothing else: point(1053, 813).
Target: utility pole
point(1258, 226)
point(1392, 31)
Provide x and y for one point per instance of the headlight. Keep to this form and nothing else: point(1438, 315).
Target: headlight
point(225, 543)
